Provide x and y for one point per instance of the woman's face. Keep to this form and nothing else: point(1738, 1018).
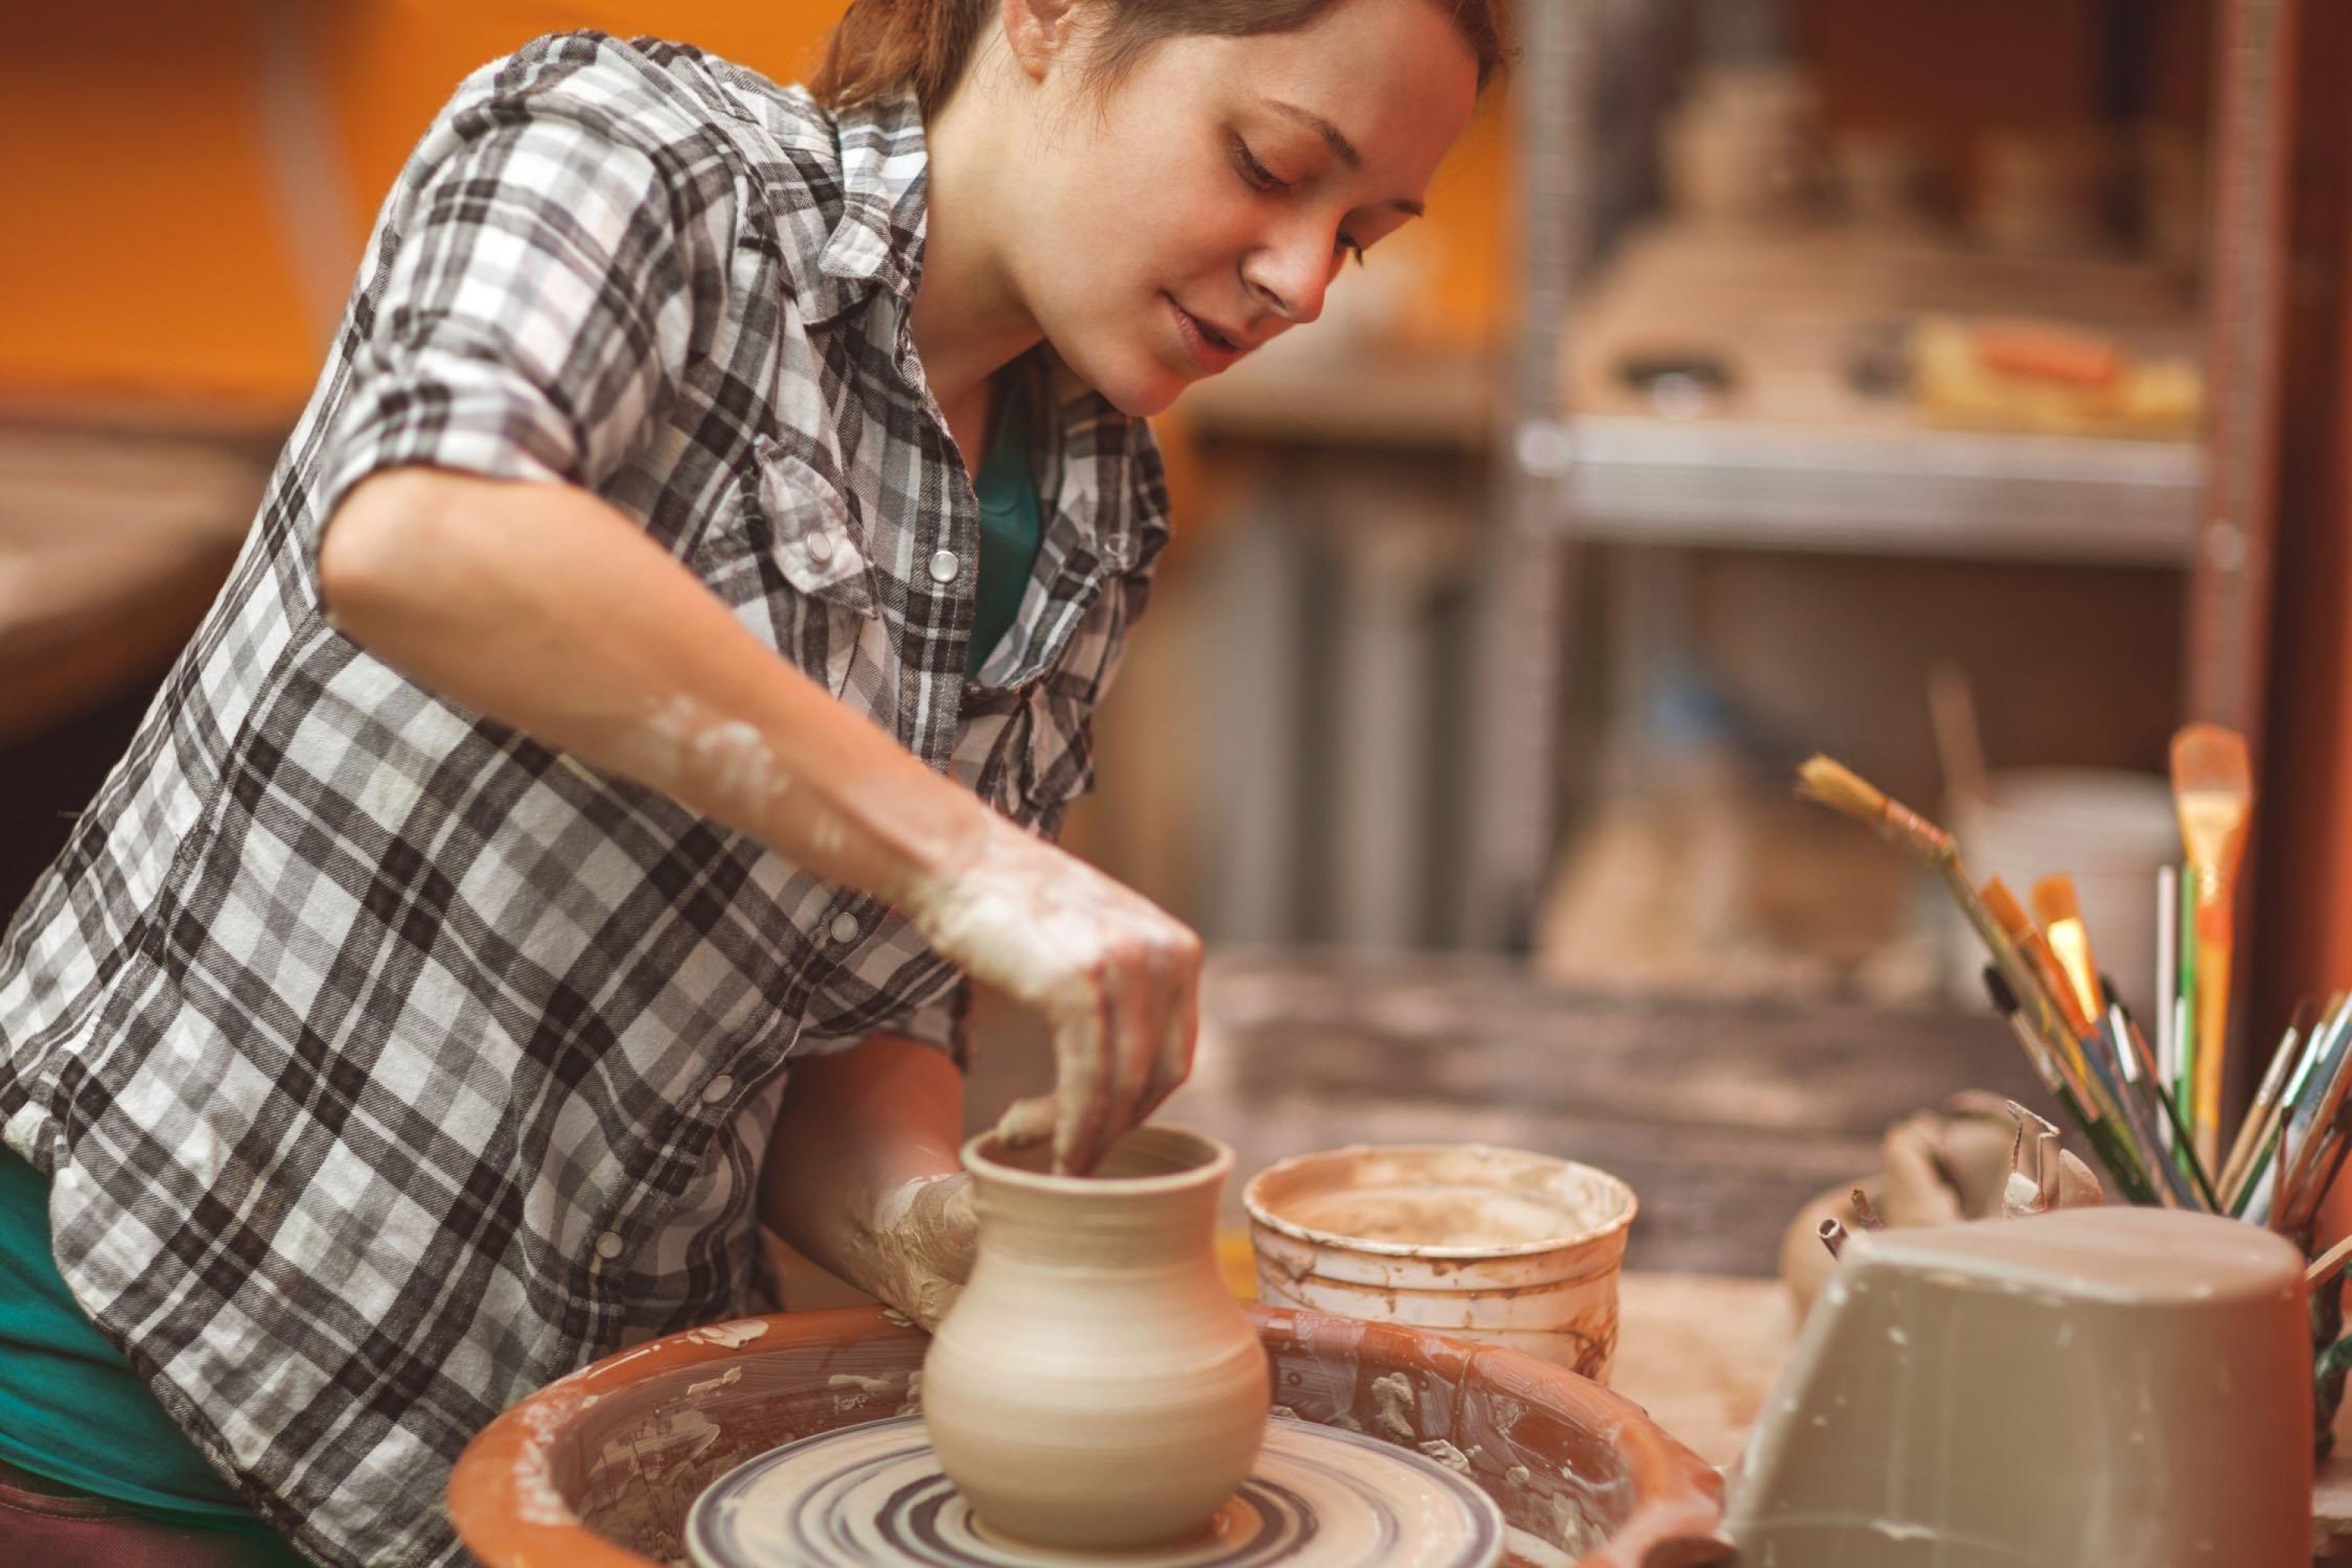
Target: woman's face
point(1207, 202)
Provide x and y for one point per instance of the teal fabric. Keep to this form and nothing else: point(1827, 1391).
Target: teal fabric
point(71, 1410)
point(1010, 531)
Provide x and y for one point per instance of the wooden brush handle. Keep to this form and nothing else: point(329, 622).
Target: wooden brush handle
point(2212, 1015)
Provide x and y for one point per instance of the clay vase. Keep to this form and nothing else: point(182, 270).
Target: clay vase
point(1097, 1386)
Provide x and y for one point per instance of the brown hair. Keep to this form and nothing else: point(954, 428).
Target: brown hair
point(880, 46)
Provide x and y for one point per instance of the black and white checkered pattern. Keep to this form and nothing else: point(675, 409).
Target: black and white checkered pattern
point(389, 1064)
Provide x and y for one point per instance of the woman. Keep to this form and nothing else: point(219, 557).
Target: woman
point(665, 651)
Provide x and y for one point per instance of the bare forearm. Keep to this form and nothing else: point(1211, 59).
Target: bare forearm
point(856, 1173)
point(543, 607)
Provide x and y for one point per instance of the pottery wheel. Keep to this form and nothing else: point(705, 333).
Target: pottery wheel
point(873, 1496)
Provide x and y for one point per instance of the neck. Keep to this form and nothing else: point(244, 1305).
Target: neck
point(968, 322)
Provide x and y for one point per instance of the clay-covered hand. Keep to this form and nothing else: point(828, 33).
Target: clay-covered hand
point(1116, 978)
point(915, 1251)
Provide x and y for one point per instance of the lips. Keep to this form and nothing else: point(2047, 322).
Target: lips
point(1211, 347)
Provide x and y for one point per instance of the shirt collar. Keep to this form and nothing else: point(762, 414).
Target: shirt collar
point(877, 241)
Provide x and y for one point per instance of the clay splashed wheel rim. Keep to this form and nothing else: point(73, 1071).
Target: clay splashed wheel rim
point(873, 1496)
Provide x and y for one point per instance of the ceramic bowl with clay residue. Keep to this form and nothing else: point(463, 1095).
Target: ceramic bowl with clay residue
point(1496, 1245)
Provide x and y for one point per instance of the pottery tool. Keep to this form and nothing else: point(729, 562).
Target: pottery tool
point(2213, 789)
point(2070, 939)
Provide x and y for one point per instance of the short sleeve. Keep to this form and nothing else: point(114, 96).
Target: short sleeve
point(537, 305)
point(944, 1023)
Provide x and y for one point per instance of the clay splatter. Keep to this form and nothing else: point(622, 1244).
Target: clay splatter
point(1392, 1401)
point(731, 1336)
point(1446, 1454)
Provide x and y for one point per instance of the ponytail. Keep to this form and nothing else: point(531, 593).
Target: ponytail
point(882, 47)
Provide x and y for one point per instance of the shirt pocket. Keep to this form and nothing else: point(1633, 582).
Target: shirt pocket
point(816, 585)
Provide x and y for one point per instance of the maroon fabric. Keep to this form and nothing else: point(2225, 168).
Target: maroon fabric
point(55, 1526)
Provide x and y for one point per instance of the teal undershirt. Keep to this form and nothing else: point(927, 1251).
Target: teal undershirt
point(71, 1410)
point(1010, 532)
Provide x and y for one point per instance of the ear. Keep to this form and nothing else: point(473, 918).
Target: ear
point(1040, 32)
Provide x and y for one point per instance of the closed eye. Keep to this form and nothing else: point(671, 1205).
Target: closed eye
point(1258, 177)
point(1255, 174)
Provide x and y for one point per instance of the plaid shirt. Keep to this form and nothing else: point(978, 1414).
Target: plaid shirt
point(389, 1064)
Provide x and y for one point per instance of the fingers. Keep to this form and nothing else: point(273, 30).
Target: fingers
point(1028, 1122)
point(1172, 1063)
point(1080, 1084)
point(1127, 1063)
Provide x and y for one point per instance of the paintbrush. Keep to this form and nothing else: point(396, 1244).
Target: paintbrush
point(1842, 789)
point(2070, 939)
point(1952, 711)
point(2032, 947)
point(2046, 1064)
point(2213, 791)
point(2270, 1155)
point(2240, 1194)
point(2167, 976)
point(2014, 922)
point(2296, 1194)
point(2110, 1137)
point(2264, 1109)
point(2144, 1103)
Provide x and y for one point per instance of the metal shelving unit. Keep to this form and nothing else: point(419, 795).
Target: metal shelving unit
point(1566, 477)
point(1725, 483)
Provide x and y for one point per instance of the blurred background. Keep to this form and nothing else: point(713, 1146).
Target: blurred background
point(1961, 391)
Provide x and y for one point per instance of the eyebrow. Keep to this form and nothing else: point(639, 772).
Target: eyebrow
point(1336, 139)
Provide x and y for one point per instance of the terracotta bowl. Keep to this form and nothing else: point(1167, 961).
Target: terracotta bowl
point(597, 1470)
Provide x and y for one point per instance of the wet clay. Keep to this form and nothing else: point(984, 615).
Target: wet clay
point(1097, 1386)
point(917, 1247)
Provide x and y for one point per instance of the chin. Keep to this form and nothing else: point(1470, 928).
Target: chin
point(1134, 383)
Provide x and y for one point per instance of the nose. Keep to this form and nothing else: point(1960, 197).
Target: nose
point(1287, 275)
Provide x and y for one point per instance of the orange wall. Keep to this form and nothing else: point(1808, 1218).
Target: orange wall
point(149, 256)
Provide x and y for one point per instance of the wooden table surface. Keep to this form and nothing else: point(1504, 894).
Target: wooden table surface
point(1725, 1118)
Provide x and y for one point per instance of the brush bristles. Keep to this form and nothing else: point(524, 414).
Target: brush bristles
point(1842, 790)
point(1839, 788)
point(2054, 900)
point(2005, 910)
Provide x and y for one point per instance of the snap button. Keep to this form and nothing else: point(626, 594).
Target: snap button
point(944, 566)
point(717, 1089)
point(608, 1245)
point(820, 546)
point(845, 927)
